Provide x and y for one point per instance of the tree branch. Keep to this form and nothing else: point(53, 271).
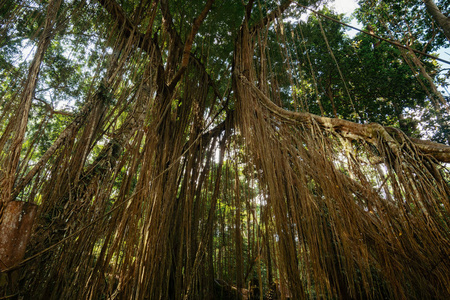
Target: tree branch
point(115, 10)
point(438, 16)
point(176, 44)
point(188, 44)
point(51, 109)
point(168, 23)
point(248, 9)
point(367, 132)
point(272, 16)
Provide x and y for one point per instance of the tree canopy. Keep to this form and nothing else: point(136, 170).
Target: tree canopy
point(160, 149)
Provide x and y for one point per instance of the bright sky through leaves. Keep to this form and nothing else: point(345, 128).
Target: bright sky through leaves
point(348, 6)
point(345, 6)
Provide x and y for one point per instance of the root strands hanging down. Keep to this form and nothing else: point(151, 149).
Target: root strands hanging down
point(190, 160)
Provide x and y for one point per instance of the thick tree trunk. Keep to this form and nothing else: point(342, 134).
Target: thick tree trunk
point(439, 17)
point(15, 230)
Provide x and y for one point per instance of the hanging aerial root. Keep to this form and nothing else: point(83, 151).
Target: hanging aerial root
point(350, 217)
point(366, 132)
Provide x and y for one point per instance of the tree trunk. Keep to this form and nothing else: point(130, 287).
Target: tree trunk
point(238, 236)
point(442, 20)
point(15, 229)
point(21, 120)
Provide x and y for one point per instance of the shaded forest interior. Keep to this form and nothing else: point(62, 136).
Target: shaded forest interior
point(156, 149)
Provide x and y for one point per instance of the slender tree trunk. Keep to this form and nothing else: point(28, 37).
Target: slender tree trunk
point(238, 236)
point(21, 120)
point(269, 263)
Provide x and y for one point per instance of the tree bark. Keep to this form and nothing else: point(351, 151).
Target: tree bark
point(15, 228)
point(238, 236)
point(442, 20)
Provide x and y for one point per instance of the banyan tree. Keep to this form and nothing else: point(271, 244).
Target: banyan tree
point(160, 149)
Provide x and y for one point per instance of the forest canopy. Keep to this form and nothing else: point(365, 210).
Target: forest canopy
point(169, 149)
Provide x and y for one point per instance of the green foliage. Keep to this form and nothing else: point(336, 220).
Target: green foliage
point(377, 85)
point(409, 23)
point(405, 21)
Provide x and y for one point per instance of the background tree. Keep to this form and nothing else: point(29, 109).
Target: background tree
point(406, 23)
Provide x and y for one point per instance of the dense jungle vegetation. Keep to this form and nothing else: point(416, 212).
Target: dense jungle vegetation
point(253, 149)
